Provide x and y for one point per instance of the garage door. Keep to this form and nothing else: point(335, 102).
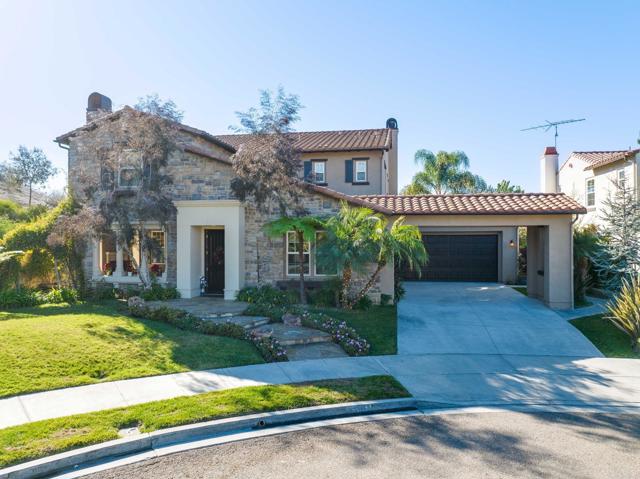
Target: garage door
point(459, 258)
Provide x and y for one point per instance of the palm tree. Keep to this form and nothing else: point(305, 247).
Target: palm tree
point(305, 228)
point(505, 186)
point(444, 172)
point(350, 243)
point(400, 243)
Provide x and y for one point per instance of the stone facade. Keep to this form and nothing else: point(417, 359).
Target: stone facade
point(202, 172)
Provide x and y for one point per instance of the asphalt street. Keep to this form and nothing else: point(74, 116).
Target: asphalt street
point(479, 445)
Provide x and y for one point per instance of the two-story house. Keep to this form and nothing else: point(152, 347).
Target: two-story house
point(590, 177)
point(215, 236)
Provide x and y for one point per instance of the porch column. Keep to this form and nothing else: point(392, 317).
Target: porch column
point(119, 272)
point(96, 267)
point(559, 264)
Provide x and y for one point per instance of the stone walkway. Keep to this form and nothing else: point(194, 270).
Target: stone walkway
point(299, 342)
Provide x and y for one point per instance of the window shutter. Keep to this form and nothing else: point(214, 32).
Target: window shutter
point(348, 171)
point(307, 171)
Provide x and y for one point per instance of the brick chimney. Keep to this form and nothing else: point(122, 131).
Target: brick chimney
point(98, 105)
point(549, 170)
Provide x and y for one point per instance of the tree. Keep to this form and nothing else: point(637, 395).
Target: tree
point(505, 186)
point(618, 254)
point(156, 106)
point(68, 238)
point(442, 173)
point(30, 167)
point(304, 228)
point(350, 242)
point(400, 243)
point(267, 166)
point(130, 186)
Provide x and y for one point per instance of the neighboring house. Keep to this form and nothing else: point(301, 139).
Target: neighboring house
point(469, 237)
point(589, 177)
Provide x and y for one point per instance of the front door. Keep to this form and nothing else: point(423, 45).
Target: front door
point(214, 261)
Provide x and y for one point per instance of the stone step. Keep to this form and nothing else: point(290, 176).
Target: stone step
point(247, 322)
point(315, 351)
point(293, 335)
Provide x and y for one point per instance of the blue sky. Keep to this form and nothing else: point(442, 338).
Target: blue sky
point(456, 75)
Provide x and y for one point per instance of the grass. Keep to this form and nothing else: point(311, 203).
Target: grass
point(56, 346)
point(521, 290)
point(378, 325)
point(43, 438)
point(611, 342)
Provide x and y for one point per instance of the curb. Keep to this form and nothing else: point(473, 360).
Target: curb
point(147, 441)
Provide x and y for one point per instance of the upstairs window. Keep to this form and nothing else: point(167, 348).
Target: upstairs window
point(622, 178)
point(361, 173)
point(591, 192)
point(319, 171)
point(128, 177)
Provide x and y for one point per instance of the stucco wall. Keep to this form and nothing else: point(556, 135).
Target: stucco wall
point(335, 171)
point(572, 179)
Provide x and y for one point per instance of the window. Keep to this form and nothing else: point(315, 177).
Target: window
point(319, 174)
point(128, 177)
point(361, 171)
point(591, 192)
point(320, 268)
point(622, 177)
point(293, 257)
point(157, 264)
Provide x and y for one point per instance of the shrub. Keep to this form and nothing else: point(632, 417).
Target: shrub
point(327, 295)
point(385, 299)
point(363, 303)
point(266, 294)
point(102, 291)
point(31, 297)
point(345, 336)
point(61, 295)
point(159, 293)
point(268, 347)
point(624, 311)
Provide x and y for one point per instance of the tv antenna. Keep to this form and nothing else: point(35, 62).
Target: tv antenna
point(553, 124)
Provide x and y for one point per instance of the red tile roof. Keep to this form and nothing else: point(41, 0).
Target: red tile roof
point(596, 159)
point(342, 140)
point(477, 204)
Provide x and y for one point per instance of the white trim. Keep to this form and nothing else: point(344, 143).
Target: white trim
point(287, 253)
point(206, 203)
point(355, 170)
point(586, 191)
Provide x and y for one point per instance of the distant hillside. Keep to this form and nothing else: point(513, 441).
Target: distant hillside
point(21, 195)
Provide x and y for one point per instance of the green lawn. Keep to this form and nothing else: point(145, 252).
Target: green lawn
point(521, 290)
point(611, 342)
point(43, 438)
point(56, 346)
point(378, 325)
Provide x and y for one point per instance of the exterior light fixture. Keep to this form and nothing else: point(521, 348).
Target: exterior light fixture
point(512, 244)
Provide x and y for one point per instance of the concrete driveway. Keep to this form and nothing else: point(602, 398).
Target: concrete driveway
point(483, 318)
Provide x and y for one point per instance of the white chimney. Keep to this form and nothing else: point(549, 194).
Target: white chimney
point(549, 170)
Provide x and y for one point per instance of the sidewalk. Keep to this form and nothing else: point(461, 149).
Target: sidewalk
point(458, 379)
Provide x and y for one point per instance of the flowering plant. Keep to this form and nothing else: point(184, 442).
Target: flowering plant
point(344, 335)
